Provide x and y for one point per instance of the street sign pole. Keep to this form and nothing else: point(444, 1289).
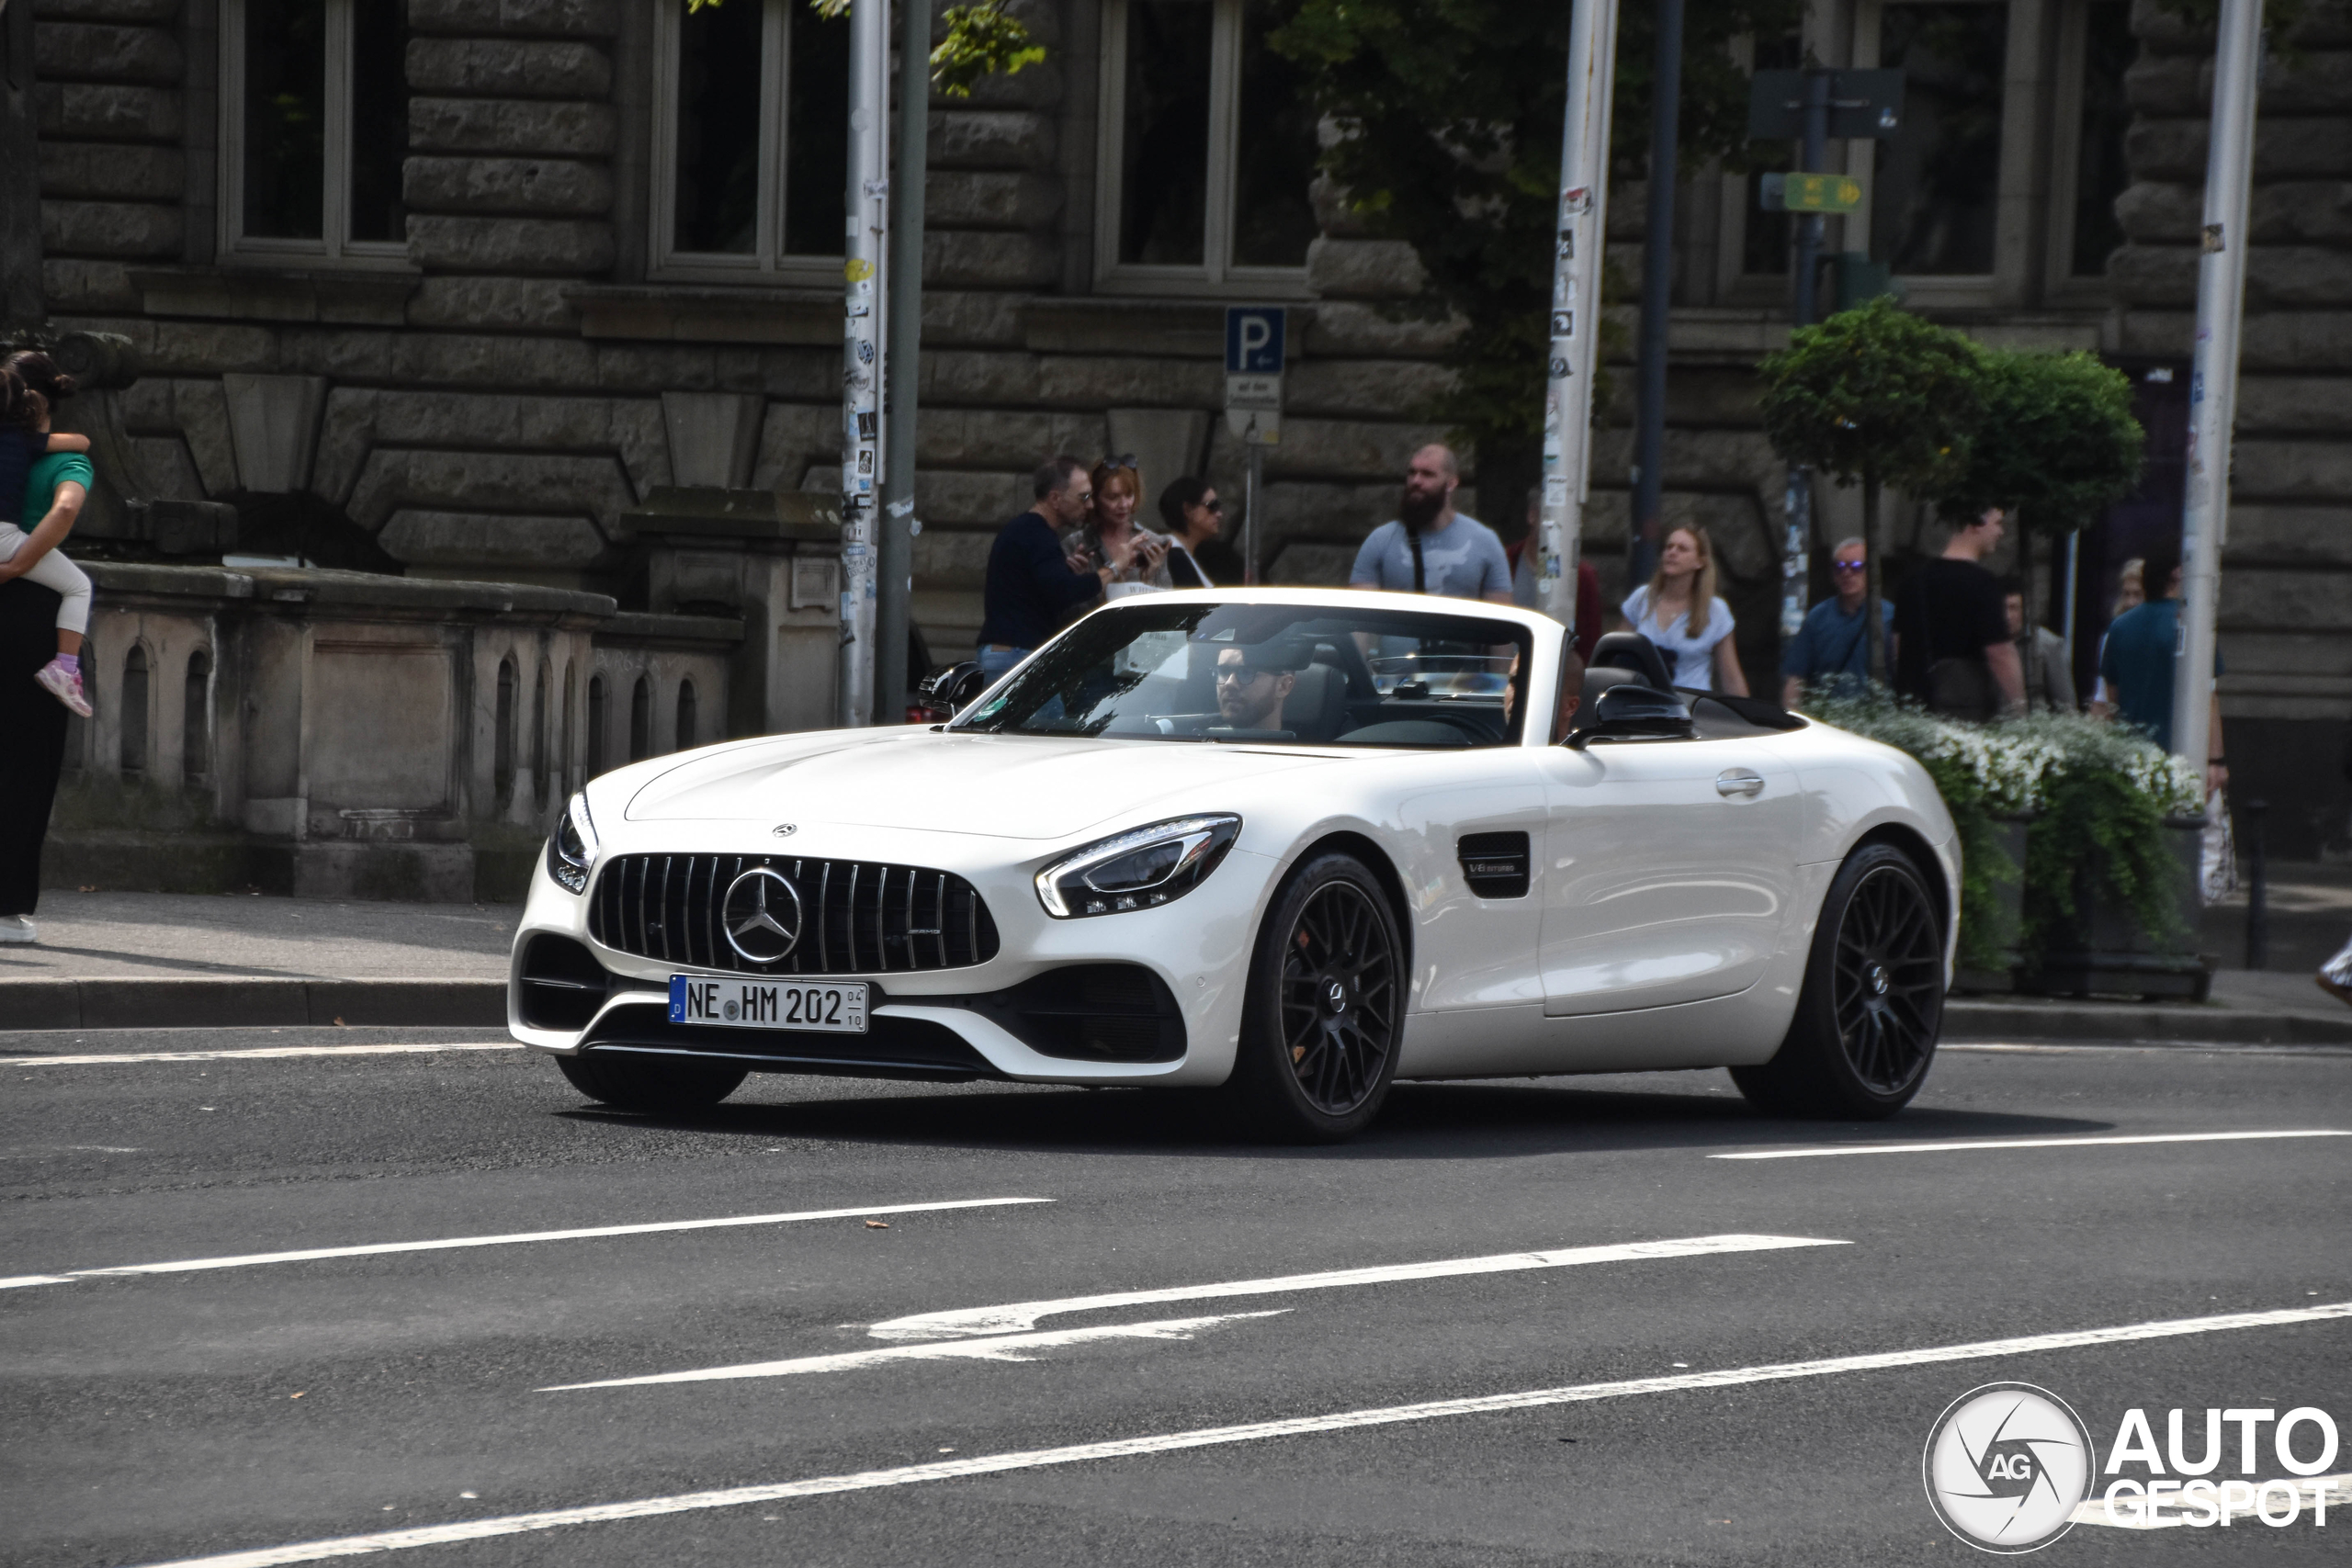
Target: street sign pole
point(1256, 349)
point(863, 368)
point(1576, 304)
point(1796, 550)
point(896, 522)
point(1658, 296)
point(2213, 375)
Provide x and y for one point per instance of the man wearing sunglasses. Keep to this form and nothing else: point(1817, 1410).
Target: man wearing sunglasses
point(1252, 684)
point(1829, 650)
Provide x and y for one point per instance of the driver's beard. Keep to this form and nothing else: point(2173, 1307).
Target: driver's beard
point(1419, 511)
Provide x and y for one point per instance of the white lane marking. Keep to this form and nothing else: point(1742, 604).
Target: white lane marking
point(1256, 1431)
point(2195, 1047)
point(2337, 1490)
point(1021, 1317)
point(110, 1057)
point(1836, 1150)
point(248, 1260)
point(996, 1347)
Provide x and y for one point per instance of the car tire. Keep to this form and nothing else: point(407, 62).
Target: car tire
point(656, 1087)
point(1866, 1023)
point(1325, 1010)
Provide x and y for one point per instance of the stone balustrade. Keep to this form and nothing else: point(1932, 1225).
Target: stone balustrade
point(344, 733)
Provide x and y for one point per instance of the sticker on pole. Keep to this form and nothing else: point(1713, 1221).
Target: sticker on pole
point(1254, 351)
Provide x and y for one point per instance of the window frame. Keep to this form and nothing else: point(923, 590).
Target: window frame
point(2069, 57)
point(332, 248)
point(1216, 275)
point(767, 262)
point(2020, 191)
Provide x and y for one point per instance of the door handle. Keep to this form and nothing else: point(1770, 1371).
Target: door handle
point(1739, 781)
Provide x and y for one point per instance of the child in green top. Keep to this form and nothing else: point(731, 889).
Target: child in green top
point(53, 492)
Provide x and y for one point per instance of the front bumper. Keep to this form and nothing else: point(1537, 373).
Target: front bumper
point(1020, 1016)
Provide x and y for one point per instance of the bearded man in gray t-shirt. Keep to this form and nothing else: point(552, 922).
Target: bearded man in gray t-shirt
point(1431, 548)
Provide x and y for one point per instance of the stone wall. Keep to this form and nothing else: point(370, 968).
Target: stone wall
point(2286, 614)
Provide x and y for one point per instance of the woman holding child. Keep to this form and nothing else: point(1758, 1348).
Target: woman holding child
point(44, 611)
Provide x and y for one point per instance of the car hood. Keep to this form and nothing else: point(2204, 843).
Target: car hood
point(1013, 786)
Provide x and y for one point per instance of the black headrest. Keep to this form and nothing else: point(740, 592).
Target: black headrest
point(1316, 707)
point(1632, 650)
point(1598, 678)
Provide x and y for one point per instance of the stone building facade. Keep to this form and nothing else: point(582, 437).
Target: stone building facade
point(456, 288)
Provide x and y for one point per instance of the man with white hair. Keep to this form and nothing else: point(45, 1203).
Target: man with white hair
point(1429, 547)
point(1829, 650)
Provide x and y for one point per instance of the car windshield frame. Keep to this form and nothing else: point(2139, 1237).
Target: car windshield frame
point(1468, 693)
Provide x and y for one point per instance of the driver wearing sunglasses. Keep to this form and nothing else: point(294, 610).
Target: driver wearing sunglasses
point(1830, 650)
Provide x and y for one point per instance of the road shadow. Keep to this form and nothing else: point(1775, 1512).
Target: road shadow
point(1421, 1121)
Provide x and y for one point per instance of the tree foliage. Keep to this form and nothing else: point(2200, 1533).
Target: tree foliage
point(1875, 394)
point(1449, 115)
point(980, 41)
point(2056, 444)
point(1878, 395)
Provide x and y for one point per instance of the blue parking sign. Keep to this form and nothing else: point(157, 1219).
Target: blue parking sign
point(1253, 340)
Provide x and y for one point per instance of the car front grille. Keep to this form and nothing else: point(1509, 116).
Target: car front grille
point(858, 918)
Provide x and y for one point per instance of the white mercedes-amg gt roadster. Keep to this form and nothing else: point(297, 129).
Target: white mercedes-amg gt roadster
point(1293, 844)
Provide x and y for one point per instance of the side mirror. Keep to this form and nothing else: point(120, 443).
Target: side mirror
point(1628, 712)
point(944, 695)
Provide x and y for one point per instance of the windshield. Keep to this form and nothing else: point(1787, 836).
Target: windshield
point(1280, 674)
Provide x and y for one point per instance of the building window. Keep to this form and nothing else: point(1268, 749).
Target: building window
point(1187, 86)
point(1935, 206)
point(750, 133)
point(2099, 167)
point(314, 125)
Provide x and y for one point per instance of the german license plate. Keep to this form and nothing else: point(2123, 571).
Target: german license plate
point(767, 1004)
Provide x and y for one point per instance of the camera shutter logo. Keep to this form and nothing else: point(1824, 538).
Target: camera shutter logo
point(762, 915)
point(2006, 1467)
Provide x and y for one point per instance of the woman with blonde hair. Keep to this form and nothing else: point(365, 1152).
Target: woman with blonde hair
point(1109, 530)
point(2130, 593)
point(1679, 611)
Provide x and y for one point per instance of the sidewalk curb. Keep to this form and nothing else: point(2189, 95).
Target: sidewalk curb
point(250, 1002)
point(1996, 1020)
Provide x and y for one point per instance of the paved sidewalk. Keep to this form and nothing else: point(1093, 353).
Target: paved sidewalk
point(164, 960)
point(170, 959)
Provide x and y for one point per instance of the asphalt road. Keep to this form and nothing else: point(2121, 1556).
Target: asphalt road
point(258, 1404)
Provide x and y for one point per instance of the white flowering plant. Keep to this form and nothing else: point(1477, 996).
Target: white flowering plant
point(2096, 794)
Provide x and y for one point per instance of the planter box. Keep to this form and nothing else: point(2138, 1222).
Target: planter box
point(2117, 958)
point(2010, 899)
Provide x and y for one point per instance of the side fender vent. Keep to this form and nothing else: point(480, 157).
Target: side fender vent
point(1496, 865)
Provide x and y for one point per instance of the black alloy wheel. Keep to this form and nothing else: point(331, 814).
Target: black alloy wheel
point(1326, 1008)
point(1866, 1023)
point(1889, 979)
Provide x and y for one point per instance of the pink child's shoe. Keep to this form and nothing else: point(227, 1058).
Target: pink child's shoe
point(64, 684)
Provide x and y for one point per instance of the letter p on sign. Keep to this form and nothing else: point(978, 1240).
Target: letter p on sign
point(1253, 340)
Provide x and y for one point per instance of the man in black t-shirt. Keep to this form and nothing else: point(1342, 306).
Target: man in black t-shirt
point(1953, 608)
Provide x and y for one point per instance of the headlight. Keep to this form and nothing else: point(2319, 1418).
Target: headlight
point(1138, 870)
point(572, 847)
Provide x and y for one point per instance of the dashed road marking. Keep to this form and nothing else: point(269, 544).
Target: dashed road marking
point(995, 1348)
point(1257, 1431)
point(254, 1259)
point(1021, 1317)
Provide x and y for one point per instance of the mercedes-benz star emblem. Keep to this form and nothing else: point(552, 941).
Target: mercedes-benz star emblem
point(762, 915)
point(1337, 995)
point(784, 829)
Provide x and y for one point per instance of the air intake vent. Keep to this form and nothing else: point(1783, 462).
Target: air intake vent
point(853, 917)
point(1496, 864)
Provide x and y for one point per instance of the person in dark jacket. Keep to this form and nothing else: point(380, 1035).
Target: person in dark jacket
point(1031, 590)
